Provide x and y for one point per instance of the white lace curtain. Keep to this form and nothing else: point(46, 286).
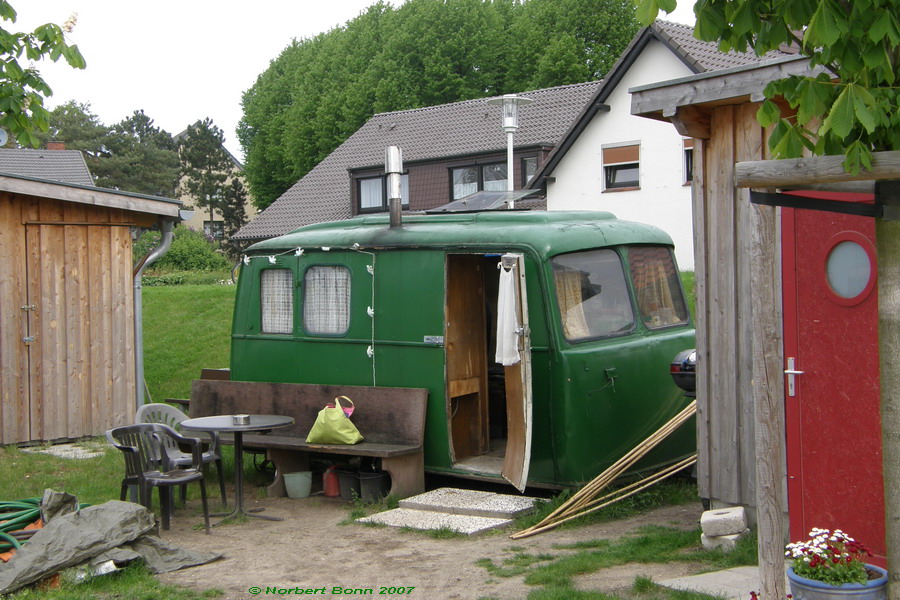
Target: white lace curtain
point(326, 303)
point(277, 300)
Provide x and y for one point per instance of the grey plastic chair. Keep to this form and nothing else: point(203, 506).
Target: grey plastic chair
point(147, 465)
point(171, 416)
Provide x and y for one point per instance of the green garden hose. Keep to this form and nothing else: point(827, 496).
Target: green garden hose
point(14, 515)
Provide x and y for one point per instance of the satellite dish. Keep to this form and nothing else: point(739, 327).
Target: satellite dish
point(4, 137)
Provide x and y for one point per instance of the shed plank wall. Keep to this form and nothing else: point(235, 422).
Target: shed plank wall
point(724, 340)
point(74, 263)
point(14, 416)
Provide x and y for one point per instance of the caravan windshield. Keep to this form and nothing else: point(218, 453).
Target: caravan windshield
point(592, 292)
point(592, 295)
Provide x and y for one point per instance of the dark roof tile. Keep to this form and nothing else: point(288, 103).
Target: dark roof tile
point(67, 166)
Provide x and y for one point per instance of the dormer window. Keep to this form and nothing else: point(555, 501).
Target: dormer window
point(372, 193)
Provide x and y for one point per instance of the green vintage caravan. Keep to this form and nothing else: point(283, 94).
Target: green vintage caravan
point(586, 311)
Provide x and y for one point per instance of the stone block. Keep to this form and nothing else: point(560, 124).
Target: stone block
point(726, 543)
point(723, 521)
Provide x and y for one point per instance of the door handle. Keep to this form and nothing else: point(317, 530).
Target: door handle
point(792, 373)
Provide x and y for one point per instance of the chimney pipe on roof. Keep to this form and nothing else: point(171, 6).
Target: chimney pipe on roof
point(393, 167)
point(55, 145)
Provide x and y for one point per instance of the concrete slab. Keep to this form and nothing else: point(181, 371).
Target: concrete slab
point(431, 520)
point(73, 451)
point(472, 502)
point(733, 584)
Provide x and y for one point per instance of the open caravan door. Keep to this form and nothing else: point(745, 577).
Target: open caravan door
point(514, 353)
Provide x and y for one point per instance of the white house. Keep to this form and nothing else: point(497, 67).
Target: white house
point(635, 168)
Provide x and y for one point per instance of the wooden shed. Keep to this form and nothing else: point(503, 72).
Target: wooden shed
point(67, 335)
point(788, 379)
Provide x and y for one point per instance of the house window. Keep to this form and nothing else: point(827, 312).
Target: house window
point(465, 181)
point(621, 167)
point(688, 160)
point(214, 229)
point(373, 193)
point(326, 300)
point(277, 301)
point(529, 168)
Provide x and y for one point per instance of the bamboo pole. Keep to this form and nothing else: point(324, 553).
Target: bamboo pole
point(586, 495)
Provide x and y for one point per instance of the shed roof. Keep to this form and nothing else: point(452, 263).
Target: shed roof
point(56, 165)
point(90, 194)
point(435, 132)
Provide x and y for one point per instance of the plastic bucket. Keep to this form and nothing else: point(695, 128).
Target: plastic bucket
point(373, 486)
point(349, 482)
point(298, 484)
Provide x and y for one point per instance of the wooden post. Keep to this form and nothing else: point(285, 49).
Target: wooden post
point(768, 396)
point(887, 235)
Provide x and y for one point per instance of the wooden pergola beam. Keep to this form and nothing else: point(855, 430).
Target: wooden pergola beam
point(812, 171)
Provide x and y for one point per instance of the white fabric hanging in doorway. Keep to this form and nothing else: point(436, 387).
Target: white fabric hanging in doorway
point(507, 320)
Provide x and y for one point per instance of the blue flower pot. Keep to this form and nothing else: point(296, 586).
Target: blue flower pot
point(810, 589)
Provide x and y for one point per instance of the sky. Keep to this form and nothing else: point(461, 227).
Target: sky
point(182, 61)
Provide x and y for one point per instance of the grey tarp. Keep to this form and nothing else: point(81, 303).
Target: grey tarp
point(120, 529)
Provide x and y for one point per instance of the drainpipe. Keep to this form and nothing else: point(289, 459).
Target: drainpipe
point(166, 226)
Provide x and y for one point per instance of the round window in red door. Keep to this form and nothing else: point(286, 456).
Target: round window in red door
point(850, 268)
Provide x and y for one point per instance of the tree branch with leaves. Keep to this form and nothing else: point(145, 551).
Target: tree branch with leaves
point(850, 106)
point(22, 89)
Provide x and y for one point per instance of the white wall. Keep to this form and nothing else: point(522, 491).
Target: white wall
point(662, 200)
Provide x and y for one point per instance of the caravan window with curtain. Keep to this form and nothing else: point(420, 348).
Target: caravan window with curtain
point(276, 296)
point(326, 300)
point(592, 294)
point(657, 286)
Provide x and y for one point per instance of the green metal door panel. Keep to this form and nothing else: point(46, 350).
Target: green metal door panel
point(263, 359)
point(618, 392)
point(420, 367)
point(409, 305)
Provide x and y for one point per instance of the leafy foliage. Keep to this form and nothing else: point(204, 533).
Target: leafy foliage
point(75, 124)
point(139, 157)
point(320, 90)
point(190, 251)
point(133, 155)
point(22, 89)
point(851, 106)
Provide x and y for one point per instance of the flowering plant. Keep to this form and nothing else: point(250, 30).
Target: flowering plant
point(830, 557)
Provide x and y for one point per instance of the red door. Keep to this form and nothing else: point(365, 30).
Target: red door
point(833, 421)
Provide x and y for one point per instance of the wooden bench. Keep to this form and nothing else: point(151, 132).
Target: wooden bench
point(392, 421)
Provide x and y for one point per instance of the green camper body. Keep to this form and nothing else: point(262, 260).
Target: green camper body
point(417, 308)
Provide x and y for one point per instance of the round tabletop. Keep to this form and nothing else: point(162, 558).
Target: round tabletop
point(226, 423)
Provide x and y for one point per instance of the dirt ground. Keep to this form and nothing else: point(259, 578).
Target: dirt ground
point(310, 550)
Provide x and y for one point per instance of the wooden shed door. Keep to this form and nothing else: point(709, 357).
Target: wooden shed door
point(832, 410)
point(79, 329)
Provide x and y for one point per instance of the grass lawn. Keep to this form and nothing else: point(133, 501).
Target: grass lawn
point(186, 328)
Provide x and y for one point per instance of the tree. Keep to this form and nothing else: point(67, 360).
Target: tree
point(138, 157)
point(22, 89)
point(234, 216)
point(75, 124)
point(851, 107)
point(205, 165)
